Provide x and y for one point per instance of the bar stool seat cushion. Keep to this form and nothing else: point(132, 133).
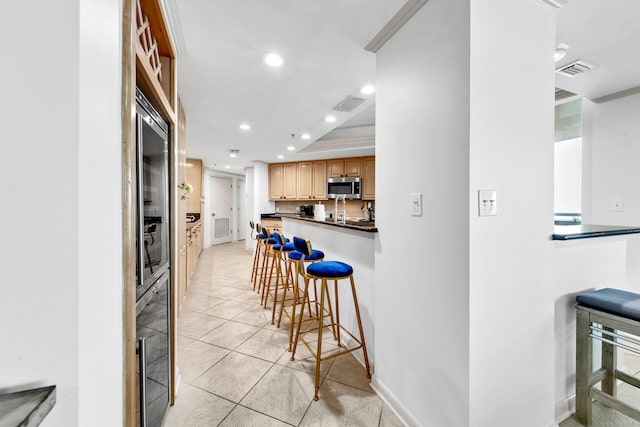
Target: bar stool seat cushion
point(330, 269)
point(273, 241)
point(288, 247)
point(315, 255)
point(261, 236)
point(614, 301)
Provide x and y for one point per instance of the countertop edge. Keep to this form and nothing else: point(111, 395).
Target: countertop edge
point(333, 224)
point(613, 231)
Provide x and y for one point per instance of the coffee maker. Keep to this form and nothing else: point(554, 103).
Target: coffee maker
point(306, 210)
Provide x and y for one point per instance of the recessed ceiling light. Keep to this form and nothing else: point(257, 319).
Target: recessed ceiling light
point(233, 155)
point(330, 119)
point(227, 167)
point(367, 89)
point(274, 59)
point(233, 152)
point(305, 136)
point(244, 126)
point(280, 156)
point(291, 148)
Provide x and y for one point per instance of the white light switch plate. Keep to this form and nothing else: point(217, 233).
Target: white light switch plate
point(416, 204)
point(487, 203)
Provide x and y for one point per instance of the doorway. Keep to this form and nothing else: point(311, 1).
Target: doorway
point(221, 196)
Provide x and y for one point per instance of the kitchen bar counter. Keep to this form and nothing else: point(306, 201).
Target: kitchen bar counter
point(366, 226)
point(584, 231)
point(355, 247)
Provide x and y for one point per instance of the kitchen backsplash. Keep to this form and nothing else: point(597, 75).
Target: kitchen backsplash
point(354, 207)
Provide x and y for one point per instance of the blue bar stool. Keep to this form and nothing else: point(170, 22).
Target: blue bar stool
point(298, 259)
point(259, 238)
point(280, 255)
point(325, 271)
point(608, 315)
point(267, 245)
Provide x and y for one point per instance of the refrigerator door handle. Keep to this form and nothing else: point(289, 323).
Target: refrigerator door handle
point(142, 357)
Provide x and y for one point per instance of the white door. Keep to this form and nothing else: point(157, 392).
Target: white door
point(221, 209)
point(243, 221)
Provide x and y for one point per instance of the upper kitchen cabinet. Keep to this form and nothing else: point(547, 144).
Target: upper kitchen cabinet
point(194, 177)
point(369, 178)
point(338, 168)
point(312, 180)
point(283, 181)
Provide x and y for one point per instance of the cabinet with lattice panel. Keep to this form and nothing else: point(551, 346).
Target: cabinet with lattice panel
point(155, 58)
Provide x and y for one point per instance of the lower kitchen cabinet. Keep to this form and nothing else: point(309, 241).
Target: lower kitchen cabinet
point(188, 258)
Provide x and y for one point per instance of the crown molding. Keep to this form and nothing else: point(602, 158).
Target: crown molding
point(174, 25)
point(399, 19)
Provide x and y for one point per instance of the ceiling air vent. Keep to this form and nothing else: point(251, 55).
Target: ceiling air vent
point(576, 68)
point(349, 104)
point(563, 94)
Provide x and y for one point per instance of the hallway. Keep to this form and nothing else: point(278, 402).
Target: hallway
point(236, 370)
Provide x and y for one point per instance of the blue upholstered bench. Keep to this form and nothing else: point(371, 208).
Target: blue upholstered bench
point(608, 315)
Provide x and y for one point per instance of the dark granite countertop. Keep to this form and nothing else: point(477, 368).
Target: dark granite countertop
point(368, 226)
point(585, 231)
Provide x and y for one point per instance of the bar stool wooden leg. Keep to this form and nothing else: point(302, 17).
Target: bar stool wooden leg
point(323, 291)
point(364, 346)
point(584, 361)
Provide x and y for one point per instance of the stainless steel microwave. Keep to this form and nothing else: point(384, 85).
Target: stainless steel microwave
point(350, 188)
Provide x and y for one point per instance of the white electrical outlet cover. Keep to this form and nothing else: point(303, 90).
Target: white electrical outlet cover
point(416, 204)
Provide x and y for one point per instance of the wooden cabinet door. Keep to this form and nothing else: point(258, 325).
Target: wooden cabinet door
point(276, 180)
point(369, 178)
point(319, 180)
point(352, 167)
point(290, 181)
point(305, 180)
point(335, 168)
point(194, 177)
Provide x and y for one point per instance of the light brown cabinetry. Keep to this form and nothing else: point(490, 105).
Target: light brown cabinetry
point(194, 177)
point(312, 180)
point(368, 178)
point(338, 168)
point(283, 181)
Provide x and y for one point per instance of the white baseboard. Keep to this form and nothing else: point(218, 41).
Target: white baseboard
point(565, 408)
point(394, 404)
point(178, 381)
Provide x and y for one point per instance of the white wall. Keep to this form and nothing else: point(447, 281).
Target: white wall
point(421, 296)
point(101, 367)
point(257, 196)
point(446, 118)
point(614, 137)
point(568, 176)
point(249, 243)
point(511, 254)
point(61, 223)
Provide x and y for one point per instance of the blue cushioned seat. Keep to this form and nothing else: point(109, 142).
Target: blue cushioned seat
point(288, 247)
point(614, 301)
point(330, 269)
point(315, 255)
point(273, 241)
point(261, 236)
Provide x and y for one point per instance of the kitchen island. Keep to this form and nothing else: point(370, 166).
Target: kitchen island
point(354, 245)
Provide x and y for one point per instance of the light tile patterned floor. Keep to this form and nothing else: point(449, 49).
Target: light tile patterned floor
point(236, 370)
